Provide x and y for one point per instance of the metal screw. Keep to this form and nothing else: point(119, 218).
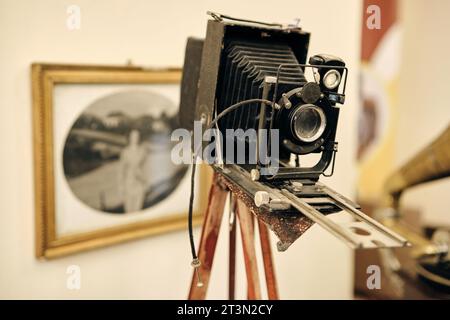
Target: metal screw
point(203, 118)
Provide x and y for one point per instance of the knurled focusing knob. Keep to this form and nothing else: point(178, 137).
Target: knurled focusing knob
point(261, 198)
point(310, 92)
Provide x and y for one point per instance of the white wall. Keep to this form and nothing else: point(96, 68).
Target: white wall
point(424, 97)
point(150, 33)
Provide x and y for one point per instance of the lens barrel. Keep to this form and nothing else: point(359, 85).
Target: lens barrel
point(308, 123)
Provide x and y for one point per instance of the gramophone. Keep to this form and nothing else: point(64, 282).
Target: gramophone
point(430, 251)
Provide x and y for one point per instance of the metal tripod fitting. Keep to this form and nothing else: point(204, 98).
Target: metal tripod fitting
point(196, 264)
point(255, 174)
point(261, 198)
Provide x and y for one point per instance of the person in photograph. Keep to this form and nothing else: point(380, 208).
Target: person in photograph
point(132, 180)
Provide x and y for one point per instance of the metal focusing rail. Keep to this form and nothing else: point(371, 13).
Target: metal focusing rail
point(362, 232)
point(359, 231)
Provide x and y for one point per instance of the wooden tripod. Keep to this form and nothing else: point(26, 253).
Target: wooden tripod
point(210, 232)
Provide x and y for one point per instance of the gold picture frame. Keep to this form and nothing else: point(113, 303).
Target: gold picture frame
point(44, 78)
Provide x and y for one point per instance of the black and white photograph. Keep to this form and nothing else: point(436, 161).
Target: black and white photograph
point(117, 153)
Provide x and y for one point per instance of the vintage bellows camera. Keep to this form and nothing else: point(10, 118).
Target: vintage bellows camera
point(248, 76)
point(239, 62)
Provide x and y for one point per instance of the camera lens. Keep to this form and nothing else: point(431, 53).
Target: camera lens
point(308, 123)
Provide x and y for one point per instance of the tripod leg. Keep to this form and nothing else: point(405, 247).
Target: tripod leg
point(232, 249)
point(269, 270)
point(248, 243)
point(208, 241)
point(252, 219)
